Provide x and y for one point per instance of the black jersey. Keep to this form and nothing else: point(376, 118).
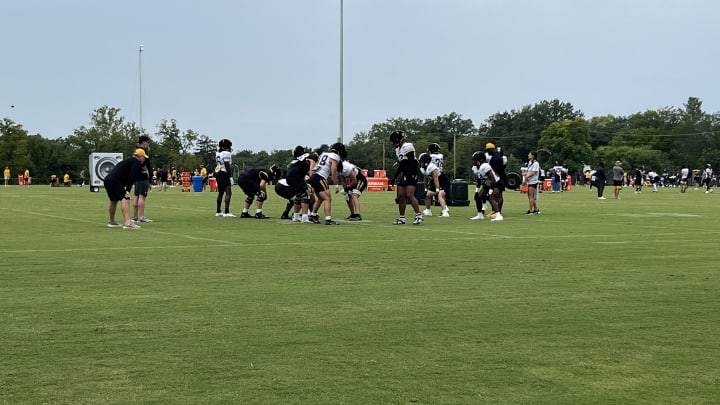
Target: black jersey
point(300, 166)
point(256, 175)
point(125, 172)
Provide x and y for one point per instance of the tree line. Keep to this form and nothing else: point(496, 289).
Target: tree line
point(662, 140)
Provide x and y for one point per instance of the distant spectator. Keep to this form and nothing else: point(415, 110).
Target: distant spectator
point(600, 180)
point(532, 179)
point(707, 178)
point(638, 180)
point(618, 176)
point(204, 174)
point(684, 178)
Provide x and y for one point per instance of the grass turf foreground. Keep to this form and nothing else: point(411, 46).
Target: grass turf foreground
point(611, 301)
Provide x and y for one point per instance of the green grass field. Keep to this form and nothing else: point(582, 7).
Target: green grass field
point(591, 302)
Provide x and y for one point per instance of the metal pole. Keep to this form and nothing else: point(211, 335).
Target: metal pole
point(341, 72)
point(142, 131)
point(454, 157)
point(383, 154)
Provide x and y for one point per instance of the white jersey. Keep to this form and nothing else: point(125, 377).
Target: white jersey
point(221, 158)
point(437, 158)
point(684, 173)
point(404, 150)
point(485, 171)
point(348, 169)
point(707, 174)
point(430, 169)
point(323, 166)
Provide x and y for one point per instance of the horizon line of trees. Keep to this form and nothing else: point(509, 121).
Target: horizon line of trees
point(663, 140)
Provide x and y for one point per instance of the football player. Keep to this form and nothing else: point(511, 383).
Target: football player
point(354, 184)
point(253, 183)
point(436, 182)
point(223, 173)
point(326, 170)
point(487, 185)
point(435, 155)
point(406, 177)
point(294, 186)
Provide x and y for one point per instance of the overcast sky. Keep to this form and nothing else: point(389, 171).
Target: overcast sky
point(266, 73)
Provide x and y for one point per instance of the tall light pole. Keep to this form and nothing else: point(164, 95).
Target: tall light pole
point(340, 138)
point(454, 157)
point(140, 49)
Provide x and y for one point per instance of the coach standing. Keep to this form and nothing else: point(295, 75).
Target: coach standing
point(142, 182)
point(118, 184)
point(618, 176)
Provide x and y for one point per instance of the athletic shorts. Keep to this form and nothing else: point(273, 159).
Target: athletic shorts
point(248, 185)
point(408, 180)
point(223, 180)
point(142, 187)
point(115, 190)
point(318, 183)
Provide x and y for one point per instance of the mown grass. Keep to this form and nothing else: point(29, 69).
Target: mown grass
point(589, 302)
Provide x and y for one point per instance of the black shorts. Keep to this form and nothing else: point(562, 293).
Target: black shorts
point(142, 187)
point(248, 185)
point(223, 180)
point(445, 184)
point(408, 179)
point(284, 191)
point(297, 184)
point(318, 183)
point(361, 185)
point(115, 190)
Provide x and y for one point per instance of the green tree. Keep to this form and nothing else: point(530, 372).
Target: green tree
point(108, 132)
point(169, 145)
point(641, 156)
point(186, 160)
point(205, 149)
point(693, 133)
point(569, 142)
point(604, 128)
point(519, 131)
point(14, 149)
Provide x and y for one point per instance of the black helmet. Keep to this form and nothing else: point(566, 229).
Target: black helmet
point(275, 171)
point(424, 158)
point(434, 148)
point(478, 156)
point(225, 144)
point(396, 137)
point(298, 150)
point(339, 148)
